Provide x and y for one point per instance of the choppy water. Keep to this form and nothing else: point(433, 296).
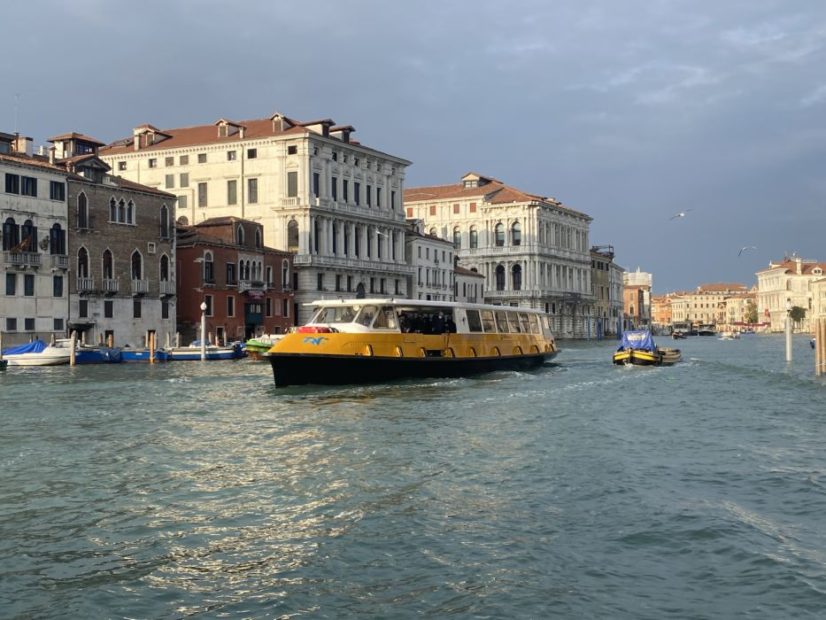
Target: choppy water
point(581, 490)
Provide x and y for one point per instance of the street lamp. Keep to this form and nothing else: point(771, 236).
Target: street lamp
point(203, 330)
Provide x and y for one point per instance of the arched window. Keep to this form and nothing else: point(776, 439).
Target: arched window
point(82, 211)
point(121, 211)
point(500, 278)
point(82, 263)
point(130, 213)
point(474, 237)
point(516, 277)
point(292, 235)
point(108, 265)
point(259, 241)
point(209, 267)
point(11, 234)
point(516, 234)
point(113, 210)
point(432, 232)
point(457, 238)
point(285, 273)
point(57, 240)
point(164, 268)
point(239, 235)
point(137, 266)
point(499, 235)
point(28, 237)
point(164, 222)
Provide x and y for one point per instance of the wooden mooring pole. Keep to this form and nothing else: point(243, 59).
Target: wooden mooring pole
point(820, 347)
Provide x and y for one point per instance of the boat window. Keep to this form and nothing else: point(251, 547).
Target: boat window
point(513, 322)
point(546, 323)
point(535, 328)
point(523, 322)
point(502, 322)
point(365, 317)
point(487, 321)
point(474, 321)
point(386, 318)
point(335, 314)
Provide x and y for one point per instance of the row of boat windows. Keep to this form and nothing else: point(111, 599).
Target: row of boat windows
point(434, 320)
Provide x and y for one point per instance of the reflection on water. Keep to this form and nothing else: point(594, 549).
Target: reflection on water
point(577, 490)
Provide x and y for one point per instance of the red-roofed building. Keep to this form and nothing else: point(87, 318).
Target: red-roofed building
point(786, 284)
point(532, 250)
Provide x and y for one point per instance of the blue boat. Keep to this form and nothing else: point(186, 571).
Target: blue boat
point(232, 351)
point(91, 354)
point(142, 355)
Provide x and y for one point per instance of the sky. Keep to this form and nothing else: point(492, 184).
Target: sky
point(630, 111)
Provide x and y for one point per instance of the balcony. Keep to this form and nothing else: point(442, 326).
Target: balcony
point(111, 286)
point(59, 261)
point(140, 287)
point(167, 288)
point(85, 285)
point(22, 259)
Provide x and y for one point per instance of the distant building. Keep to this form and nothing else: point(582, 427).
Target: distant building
point(637, 299)
point(122, 250)
point(246, 286)
point(606, 284)
point(532, 250)
point(469, 285)
point(706, 305)
point(333, 201)
point(661, 312)
point(432, 261)
point(786, 284)
point(35, 262)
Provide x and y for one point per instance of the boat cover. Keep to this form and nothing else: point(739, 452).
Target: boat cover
point(35, 346)
point(641, 339)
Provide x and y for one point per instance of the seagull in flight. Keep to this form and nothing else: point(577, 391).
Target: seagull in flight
point(680, 214)
point(746, 247)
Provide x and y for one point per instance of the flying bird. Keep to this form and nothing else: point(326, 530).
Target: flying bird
point(746, 247)
point(680, 214)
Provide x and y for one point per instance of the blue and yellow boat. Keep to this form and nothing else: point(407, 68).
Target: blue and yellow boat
point(638, 348)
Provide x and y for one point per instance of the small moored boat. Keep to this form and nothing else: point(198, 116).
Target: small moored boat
point(257, 347)
point(36, 353)
point(638, 348)
point(143, 355)
point(375, 340)
point(193, 352)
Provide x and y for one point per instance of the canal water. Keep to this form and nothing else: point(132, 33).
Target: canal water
point(581, 490)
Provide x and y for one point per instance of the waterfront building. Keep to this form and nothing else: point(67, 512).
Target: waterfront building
point(121, 250)
point(35, 263)
point(247, 287)
point(469, 285)
point(532, 250)
point(636, 297)
point(661, 313)
point(785, 284)
point(606, 284)
point(706, 305)
point(818, 299)
point(431, 258)
point(334, 202)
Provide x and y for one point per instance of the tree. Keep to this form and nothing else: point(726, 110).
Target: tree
point(751, 312)
point(797, 314)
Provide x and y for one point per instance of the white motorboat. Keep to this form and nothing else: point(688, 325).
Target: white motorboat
point(37, 353)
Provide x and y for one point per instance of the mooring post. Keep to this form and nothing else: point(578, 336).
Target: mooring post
point(72, 353)
point(788, 331)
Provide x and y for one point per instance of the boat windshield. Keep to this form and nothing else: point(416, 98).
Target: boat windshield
point(335, 314)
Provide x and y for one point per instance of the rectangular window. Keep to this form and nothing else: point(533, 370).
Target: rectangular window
point(393, 200)
point(164, 308)
point(456, 208)
point(231, 274)
point(345, 190)
point(292, 184)
point(231, 156)
point(153, 163)
point(334, 187)
point(58, 325)
point(202, 158)
point(169, 181)
point(83, 308)
point(252, 153)
point(108, 309)
point(57, 190)
point(183, 179)
point(28, 324)
point(320, 282)
point(202, 194)
point(432, 209)
point(230, 306)
point(28, 285)
point(28, 186)
point(472, 208)
point(252, 191)
point(12, 183)
point(316, 184)
point(268, 306)
point(183, 160)
point(357, 192)
point(136, 308)
point(169, 161)
point(338, 282)
point(232, 192)
point(285, 308)
point(11, 324)
point(11, 284)
point(208, 302)
point(378, 197)
point(121, 165)
point(369, 196)
point(292, 150)
point(57, 286)
point(349, 284)
point(183, 202)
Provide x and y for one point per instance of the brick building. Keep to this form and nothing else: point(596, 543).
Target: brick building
point(246, 286)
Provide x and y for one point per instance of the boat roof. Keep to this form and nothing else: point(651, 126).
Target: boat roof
point(416, 303)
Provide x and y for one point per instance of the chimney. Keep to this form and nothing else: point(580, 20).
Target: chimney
point(22, 144)
point(136, 138)
point(51, 154)
point(798, 265)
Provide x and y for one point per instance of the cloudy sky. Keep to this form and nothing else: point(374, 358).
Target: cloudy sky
point(630, 111)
